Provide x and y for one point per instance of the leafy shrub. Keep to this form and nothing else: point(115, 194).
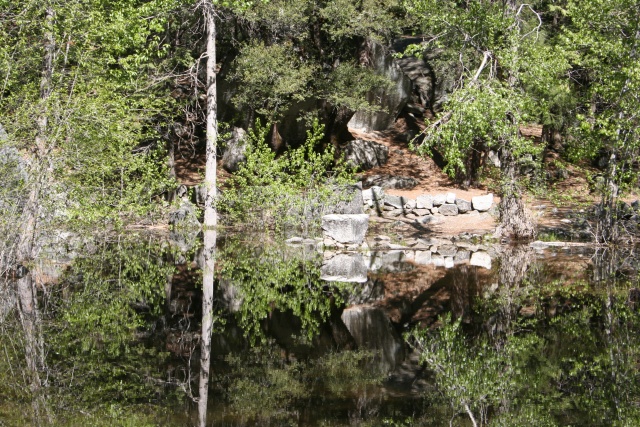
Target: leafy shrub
point(289, 190)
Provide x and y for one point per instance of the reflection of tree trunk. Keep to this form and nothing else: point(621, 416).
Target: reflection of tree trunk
point(34, 347)
point(207, 323)
point(514, 264)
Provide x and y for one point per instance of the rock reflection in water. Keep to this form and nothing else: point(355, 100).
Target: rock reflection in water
point(372, 330)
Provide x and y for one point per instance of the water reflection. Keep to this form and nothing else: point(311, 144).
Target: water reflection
point(136, 330)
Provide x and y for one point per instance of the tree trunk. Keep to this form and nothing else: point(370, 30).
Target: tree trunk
point(208, 277)
point(515, 220)
point(210, 212)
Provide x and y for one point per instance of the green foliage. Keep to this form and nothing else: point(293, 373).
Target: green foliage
point(269, 79)
point(91, 333)
point(272, 277)
point(286, 190)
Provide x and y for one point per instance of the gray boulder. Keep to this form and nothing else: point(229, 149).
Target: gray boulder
point(234, 154)
point(464, 206)
point(448, 209)
point(424, 202)
point(365, 154)
point(345, 229)
point(481, 259)
point(185, 216)
point(397, 202)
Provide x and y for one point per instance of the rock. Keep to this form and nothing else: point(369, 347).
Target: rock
point(448, 262)
point(423, 257)
point(448, 210)
point(350, 202)
point(347, 229)
point(184, 216)
point(365, 155)
point(234, 154)
point(390, 181)
point(397, 202)
point(463, 206)
point(437, 260)
point(494, 158)
point(481, 259)
point(482, 203)
point(344, 267)
point(447, 250)
point(462, 256)
point(410, 204)
point(394, 213)
point(294, 241)
point(439, 199)
point(424, 202)
point(435, 210)
point(391, 100)
point(422, 212)
point(636, 205)
point(451, 198)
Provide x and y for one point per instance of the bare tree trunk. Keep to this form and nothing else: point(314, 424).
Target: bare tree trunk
point(208, 277)
point(210, 212)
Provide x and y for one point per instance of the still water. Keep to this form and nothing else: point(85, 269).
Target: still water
point(144, 330)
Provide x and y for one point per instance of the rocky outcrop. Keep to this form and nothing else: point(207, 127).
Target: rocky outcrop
point(344, 267)
point(391, 101)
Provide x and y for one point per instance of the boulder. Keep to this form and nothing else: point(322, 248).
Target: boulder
point(397, 202)
point(344, 267)
point(390, 181)
point(429, 220)
point(424, 201)
point(365, 154)
point(481, 259)
point(463, 206)
point(482, 203)
point(410, 205)
point(439, 199)
point(345, 229)
point(422, 212)
point(234, 154)
point(423, 257)
point(451, 198)
point(448, 210)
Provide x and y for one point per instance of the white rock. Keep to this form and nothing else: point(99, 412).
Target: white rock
point(482, 203)
point(439, 199)
point(481, 259)
point(451, 198)
point(423, 257)
point(424, 201)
